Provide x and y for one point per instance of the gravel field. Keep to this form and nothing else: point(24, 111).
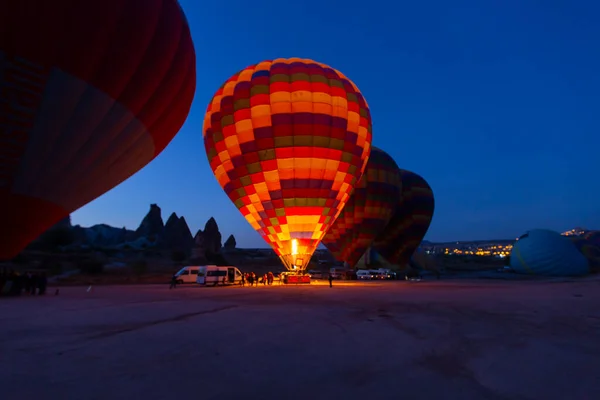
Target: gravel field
point(447, 340)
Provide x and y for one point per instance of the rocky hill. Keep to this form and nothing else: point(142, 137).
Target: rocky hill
point(174, 235)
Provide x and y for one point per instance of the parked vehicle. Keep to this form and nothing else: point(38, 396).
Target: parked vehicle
point(214, 275)
point(187, 274)
point(363, 274)
point(316, 274)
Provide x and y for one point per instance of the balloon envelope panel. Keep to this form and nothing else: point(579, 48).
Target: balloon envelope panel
point(368, 211)
point(90, 92)
point(287, 140)
point(589, 248)
point(547, 253)
point(410, 222)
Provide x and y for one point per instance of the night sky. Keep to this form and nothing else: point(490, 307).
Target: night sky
point(495, 103)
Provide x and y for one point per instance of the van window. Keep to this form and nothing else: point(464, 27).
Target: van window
point(194, 271)
point(216, 273)
point(182, 272)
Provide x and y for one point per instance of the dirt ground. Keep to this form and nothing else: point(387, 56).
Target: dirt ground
point(386, 340)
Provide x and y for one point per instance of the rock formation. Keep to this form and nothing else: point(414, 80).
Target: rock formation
point(198, 254)
point(229, 244)
point(207, 245)
point(60, 234)
point(63, 223)
point(176, 235)
point(152, 225)
point(212, 237)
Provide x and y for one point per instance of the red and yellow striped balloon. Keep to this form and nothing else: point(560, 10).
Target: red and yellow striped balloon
point(287, 140)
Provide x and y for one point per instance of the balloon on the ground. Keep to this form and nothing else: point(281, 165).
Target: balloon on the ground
point(287, 140)
point(91, 91)
point(410, 222)
point(589, 245)
point(368, 210)
point(547, 253)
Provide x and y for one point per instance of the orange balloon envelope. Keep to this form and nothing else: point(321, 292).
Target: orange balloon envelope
point(410, 223)
point(90, 92)
point(287, 140)
point(368, 211)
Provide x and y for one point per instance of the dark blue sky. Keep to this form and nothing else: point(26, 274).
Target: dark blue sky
point(495, 103)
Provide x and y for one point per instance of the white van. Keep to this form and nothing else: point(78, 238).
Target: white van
point(377, 274)
point(363, 274)
point(213, 275)
point(187, 274)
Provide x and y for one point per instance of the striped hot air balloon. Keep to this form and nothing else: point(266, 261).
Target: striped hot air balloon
point(90, 92)
point(368, 211)
point(410, 222)
point(287, 140)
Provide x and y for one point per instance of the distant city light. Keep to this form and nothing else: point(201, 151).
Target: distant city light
point(499, 249)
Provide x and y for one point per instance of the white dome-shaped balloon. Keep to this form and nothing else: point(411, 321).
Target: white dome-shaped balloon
point(548, 253)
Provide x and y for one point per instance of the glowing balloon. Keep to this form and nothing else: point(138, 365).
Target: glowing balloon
point(90, 92)
point(368, 211)
point(410, 223)
point(287, 140)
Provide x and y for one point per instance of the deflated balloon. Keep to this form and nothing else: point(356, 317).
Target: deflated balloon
point(410, 222)
point(90, 92)
point(368, 211)
point(545, 252)
point(288, 140)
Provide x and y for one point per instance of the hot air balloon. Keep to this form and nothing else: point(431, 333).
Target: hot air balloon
point(547, 253)
point(589, 245)
point(368, 210)
point(90, 92)
point(287, 140)
point(410, 222)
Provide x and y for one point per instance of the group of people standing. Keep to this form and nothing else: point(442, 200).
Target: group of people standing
point(254, 280)
point(14, 284)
